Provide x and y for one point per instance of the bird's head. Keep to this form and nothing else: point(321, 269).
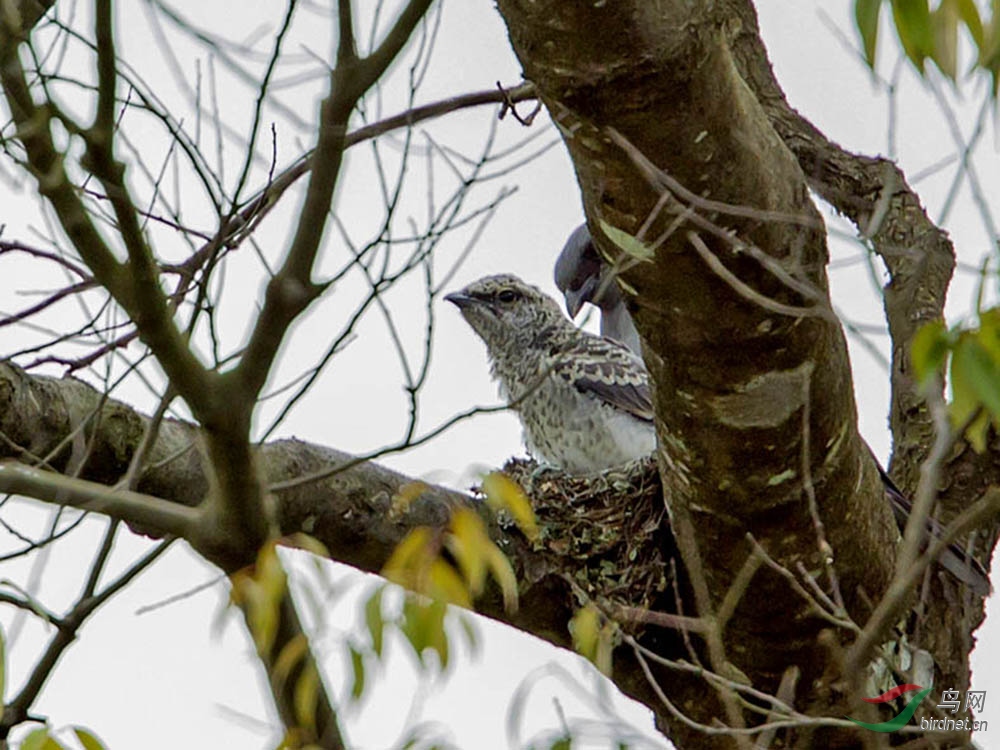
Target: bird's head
point(506, 311)
point(583, 276)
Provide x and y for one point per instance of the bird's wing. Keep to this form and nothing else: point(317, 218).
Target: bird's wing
point(607, 371)
point(616, 323)
point(953, 558)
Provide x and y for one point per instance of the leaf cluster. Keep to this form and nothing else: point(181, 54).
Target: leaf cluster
point(972, 356)
point(933, 34)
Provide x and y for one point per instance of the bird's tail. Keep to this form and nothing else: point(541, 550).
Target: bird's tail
point(953, 558)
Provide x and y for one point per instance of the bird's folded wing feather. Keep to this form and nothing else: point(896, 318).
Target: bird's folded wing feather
point(954, 559)
point(607, 371)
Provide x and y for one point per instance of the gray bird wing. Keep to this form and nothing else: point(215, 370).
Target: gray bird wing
point(617, 324)
point(953, 558)
point(607, 371)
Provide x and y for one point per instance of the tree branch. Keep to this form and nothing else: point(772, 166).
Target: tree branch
point(730, 374)
point(168, 519)
point(873, 193)
point(351, 512)
point(17, 709)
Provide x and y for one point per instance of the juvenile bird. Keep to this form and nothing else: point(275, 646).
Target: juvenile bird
point(583, 276)
point(583, 401)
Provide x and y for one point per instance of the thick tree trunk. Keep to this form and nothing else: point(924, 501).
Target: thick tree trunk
point(673, 119)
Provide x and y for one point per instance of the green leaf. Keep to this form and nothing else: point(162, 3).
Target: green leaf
point(291, 654)
point(445, 583)
point(40, 739)
point(503, 492)
point(585, 627)
point(989, 332)
point(970, 379)
point(434, 630)
point(913, 25)
point(471, 636)
point(374, 621)
point(423, 626)
point(305, 697)
point(87, 739)
point(929, 349)
point(969, 14)
point(414, 625)
point(983, 373)
point(944, 22)
point(866, 15)
point(358, 670)
point(626, 242)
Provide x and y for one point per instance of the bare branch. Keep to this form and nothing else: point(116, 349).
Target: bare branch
point(125, 505)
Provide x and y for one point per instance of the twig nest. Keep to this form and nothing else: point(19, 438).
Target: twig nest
point(611, 531)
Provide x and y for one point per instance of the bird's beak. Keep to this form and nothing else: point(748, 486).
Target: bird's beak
point(576, 297)
point(461, 300)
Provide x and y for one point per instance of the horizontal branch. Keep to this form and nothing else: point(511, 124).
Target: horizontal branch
point(350, 512)
point(168, 519)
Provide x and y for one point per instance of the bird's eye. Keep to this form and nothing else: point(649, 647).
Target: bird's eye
point(507, 295)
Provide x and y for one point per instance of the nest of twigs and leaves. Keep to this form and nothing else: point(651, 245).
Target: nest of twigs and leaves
point(609, 532)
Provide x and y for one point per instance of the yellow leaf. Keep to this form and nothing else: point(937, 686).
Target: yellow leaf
point(465, 543)
point(866, 16)
point(87, 739)
point(358, 670)
point(258, 592)
point(585, 627)
point(944, 22)
point(504, 574)
point(307, 543)
point(591, 639)
point(605, 649)
point(290, 655)
point(447, 585)
point(40, 739)
point(503, 492)
point(408, 562)
point(306, 697)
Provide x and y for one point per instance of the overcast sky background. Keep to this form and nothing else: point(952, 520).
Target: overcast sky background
point(182, 675)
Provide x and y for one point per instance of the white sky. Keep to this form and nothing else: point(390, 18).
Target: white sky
point(180, 676)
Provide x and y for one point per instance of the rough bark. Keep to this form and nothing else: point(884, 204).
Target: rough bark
point(873, 193)
point(755, 408)
point(93, 437)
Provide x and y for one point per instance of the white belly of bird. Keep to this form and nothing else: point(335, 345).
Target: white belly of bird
point(592, 438)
